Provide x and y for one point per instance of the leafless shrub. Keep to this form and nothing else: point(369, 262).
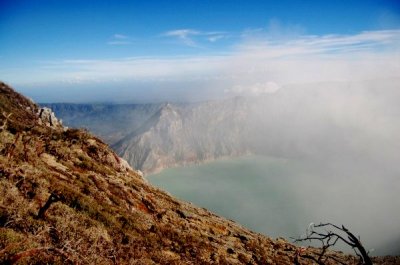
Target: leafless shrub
point(328, 235)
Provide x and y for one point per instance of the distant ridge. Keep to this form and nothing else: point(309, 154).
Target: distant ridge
point(293, 122)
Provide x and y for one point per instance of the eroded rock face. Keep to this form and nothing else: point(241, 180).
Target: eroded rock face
point(155, 136)
point(179, 135)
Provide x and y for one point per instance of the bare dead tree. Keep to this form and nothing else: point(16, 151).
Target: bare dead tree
point(328, 235)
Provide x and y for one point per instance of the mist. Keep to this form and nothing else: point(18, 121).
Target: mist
point(348, 137)
point(335, 147)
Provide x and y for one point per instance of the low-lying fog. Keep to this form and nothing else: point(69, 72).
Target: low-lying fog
point(281, 197)
point(333, 155)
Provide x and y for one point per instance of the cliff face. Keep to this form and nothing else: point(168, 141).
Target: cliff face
point(67, 198)
point(156, 136)
point(152, 137)
point(178, 135)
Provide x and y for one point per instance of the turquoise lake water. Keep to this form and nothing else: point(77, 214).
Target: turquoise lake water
point(253, 190)
point(281, 197)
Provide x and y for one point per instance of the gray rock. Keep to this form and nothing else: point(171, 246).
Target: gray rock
point(48, 118)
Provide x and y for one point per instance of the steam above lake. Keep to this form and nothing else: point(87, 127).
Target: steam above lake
point(280, 197)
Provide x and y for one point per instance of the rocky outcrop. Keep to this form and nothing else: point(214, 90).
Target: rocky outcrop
point(48, 118)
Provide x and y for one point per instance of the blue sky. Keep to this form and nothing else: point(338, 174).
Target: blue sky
point(72, 44)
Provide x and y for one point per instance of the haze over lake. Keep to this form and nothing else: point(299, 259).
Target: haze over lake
point(281, 197)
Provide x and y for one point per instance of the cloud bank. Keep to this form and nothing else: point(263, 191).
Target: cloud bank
point(258, 57)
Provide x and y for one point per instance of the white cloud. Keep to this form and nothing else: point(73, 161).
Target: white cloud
point(184, 35)
point(250, 65)
point(256, 89)
point(215, 38)
point(194, 38)
point(120, 36)
point(119, 39)
point(181, 33)
point(327, 44)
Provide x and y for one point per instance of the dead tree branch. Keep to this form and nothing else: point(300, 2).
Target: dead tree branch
point(329, 234)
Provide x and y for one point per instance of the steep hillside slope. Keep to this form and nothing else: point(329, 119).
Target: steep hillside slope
point(66, 198)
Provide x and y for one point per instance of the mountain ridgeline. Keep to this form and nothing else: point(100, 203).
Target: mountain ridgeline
point(152, 137)
point(303, 121)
